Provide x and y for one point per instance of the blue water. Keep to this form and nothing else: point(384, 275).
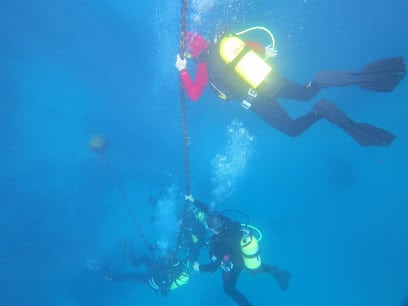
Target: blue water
point(333, 213)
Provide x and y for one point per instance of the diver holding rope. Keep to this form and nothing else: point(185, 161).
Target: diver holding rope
point(232, 248)
point(236, 68)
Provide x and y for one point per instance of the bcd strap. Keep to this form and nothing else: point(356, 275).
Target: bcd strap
point(251, 95)
point(252, 256)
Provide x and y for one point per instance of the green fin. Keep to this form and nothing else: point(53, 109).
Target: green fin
point(383, 75)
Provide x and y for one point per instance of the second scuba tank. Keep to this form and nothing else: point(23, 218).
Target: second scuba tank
point(250, 251)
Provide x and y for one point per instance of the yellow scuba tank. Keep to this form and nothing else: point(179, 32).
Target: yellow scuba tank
point(246, 63)
point(250, 250)
point(180, 281)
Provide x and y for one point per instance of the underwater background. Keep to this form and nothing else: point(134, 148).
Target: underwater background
point(332, 212)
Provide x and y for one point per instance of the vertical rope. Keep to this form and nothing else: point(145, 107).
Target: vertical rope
point(182, 48)
point(183, 23)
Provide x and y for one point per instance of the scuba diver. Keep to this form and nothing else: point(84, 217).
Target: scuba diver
point(233, 248)
point(238, 69)
point(162, 274)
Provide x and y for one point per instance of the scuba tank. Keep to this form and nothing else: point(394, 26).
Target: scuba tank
point(180, 281)
point(250, 248)
point(169, 277)
point(243, 60)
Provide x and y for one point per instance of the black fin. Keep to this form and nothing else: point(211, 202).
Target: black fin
point(383, 75)
point(369, 135)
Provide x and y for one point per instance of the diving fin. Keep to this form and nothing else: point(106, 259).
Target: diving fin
point(364, 133)
point(383, 75)
point(368, 135)
point(283, 278)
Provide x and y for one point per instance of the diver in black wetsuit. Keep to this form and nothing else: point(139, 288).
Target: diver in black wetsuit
point(226, 251)
point(162, 274)
point(237, 69)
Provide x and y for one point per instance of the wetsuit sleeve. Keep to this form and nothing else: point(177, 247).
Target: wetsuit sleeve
point(195, 88)
point(211, 267)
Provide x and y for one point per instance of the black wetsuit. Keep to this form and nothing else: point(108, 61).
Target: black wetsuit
point(227, 84)
point(228, 243)
point(225, 252)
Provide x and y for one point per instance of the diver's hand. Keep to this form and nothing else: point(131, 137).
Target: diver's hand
point(196, 266)
point(270, 51)
point(189, 198)
point(181, 64)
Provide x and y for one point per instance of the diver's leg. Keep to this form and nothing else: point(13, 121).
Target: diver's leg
point(142, 260)
point(295, 91)
point(229, 283)
point(274, 114)
point(139, 277)
point(278, 87)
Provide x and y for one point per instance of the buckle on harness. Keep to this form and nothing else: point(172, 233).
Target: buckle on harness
point(245, 104)
point(251, 95)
